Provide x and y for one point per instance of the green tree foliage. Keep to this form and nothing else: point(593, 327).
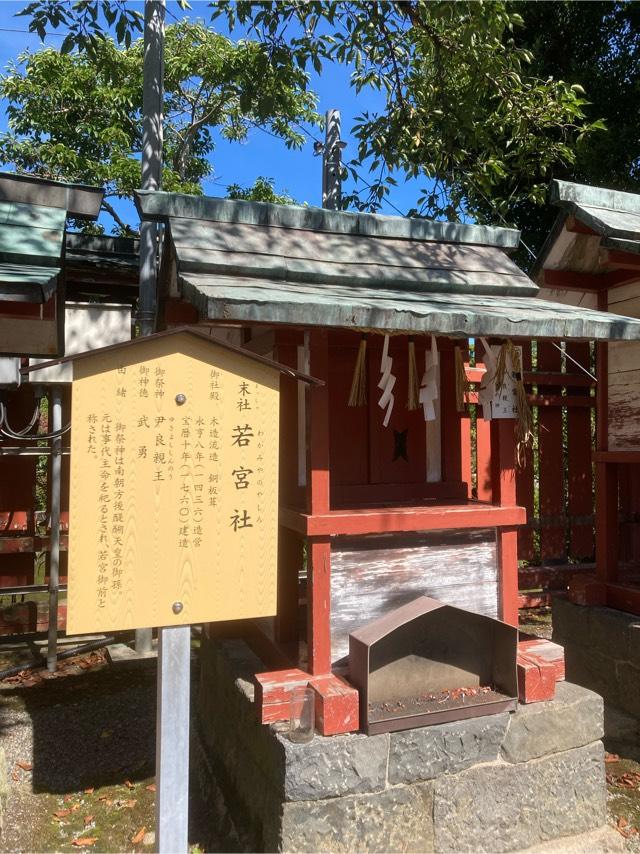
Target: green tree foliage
point(263, 190)
point(77, 115)
point(596, 45)
point(465, 107)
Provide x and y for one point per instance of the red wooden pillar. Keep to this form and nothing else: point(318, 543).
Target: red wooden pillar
point(319, 555)
point(550, 441)
point(503, 482)
point(483, 458)
point(452, 437)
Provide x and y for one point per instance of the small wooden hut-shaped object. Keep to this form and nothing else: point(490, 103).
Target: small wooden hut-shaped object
point(592, 259)
point(375, 508)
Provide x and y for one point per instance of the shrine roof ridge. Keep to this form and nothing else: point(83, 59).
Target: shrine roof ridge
point(162, 206)
point(566, 194)
point(78, 200)
point(178, 330)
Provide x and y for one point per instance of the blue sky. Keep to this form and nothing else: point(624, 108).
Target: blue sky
point(297, 172)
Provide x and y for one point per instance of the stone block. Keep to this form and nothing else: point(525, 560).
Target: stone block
point(628, 684)
point(570, 622)
point(330, 767)
point(504, 807)
point(609, 632)
point(572, 719)
point(571, 792)
point(424, 753)
point(634, 642)
point(490, 808)
point(399, 819)
point(588, 668)
point(621, 732)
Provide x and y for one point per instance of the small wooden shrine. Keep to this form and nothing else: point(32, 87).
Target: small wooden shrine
point(33, 215)
point(374, 506)
point(591, 259)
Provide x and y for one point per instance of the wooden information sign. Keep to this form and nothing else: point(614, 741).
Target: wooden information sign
point(174, 485)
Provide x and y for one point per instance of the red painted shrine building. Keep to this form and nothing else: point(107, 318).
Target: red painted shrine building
point(376, 505)
point(591, 259)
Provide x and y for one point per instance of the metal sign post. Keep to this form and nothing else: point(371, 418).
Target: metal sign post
point(172, 739)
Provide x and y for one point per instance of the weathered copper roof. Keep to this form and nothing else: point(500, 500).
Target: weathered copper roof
point(258, 262)
point(33, 213)
point(611, 219)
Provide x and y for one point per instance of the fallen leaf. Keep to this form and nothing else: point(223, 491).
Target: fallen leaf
point(130, 804)
point(106, 733)
point(75, 807)
point(129, 784)
point(611, 757)
point(62, 813)
point(137, 839)
point(89, 791)
point(151, 787)
point(67, 798)
point(26, 766)
point(88, 819)
point(84, 841)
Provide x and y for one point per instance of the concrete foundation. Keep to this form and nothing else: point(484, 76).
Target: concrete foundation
point(602, 652)
point(498, 783)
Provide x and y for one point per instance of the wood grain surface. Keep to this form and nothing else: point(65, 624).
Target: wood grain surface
point(172, 503)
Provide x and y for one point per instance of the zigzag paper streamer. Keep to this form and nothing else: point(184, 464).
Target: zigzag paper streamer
point(386, 383)
point(487, 388)
point(429, 384)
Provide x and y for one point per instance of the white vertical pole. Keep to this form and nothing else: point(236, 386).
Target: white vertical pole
point(172, 740)
point(54, 554)
point(151, 178)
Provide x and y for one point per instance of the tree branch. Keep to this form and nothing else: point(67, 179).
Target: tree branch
point(118, 220)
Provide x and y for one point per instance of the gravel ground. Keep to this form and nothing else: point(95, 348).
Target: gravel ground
point(81, 755)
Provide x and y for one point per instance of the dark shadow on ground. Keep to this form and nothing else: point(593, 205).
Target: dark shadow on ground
point(89, 730)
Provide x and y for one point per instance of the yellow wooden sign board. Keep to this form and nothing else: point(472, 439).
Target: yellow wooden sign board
point(174, 486)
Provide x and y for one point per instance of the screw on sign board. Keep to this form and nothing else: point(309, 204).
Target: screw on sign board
point(174, 484)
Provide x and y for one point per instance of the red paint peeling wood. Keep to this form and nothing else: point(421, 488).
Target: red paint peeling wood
point(536, 679)
point(337, 705)
point(545, 650)
point(397, 519)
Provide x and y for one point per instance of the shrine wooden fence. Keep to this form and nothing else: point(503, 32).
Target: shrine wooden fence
point(557, 483)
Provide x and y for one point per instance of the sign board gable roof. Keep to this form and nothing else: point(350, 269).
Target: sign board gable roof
point(177, 332)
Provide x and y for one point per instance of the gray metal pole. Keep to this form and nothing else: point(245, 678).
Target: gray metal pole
point(332, 162)
point(54, 554)
point(172, 740)
point(152, 109)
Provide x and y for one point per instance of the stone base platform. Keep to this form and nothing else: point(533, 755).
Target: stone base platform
point(602, 653)
point(504, 782)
